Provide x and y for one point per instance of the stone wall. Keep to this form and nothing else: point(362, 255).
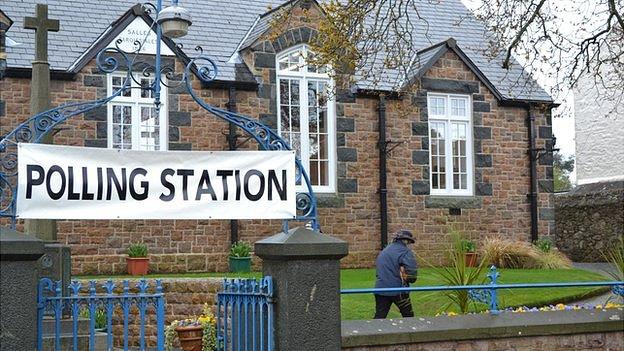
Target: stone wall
point(590, 220)
point(583, 342)
point(498, 207)
point(552, 331)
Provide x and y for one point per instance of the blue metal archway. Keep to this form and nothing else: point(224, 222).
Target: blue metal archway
point(108, 60)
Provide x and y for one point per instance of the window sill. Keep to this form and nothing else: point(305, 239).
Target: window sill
point(440, 201)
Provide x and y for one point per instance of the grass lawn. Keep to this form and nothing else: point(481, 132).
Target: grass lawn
point(362, 306)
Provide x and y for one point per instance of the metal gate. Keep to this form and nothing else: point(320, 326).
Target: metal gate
point(70, 321)
point(245, 315)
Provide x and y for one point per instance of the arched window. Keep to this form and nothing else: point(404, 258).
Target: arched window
point(307, 120)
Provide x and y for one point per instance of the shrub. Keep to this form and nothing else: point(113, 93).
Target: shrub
point(504, 253)
point(240, 249)
point(467, 245)
point(137, 250)
point(553, 259)
point(544, 245)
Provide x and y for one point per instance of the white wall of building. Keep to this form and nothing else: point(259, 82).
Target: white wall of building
point(599, 134)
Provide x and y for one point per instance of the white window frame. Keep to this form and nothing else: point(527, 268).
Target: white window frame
point(303, 76)
point(136, 101)
point(447, 119)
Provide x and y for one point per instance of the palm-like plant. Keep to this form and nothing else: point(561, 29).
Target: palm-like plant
point(458, 273)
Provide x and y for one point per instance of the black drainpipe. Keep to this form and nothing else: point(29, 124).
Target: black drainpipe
point(231, 139)
point(533, 173)
point(383, 191)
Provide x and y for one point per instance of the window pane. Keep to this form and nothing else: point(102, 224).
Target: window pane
point(323, 145)
point(459, 155)
point(294, 92)
point(118, 83)
point(314, 146)
point(313, 119)
point(437, 105)
point(314, 169)
point(295, 143)
point(145, 88)
point(438, 159)
point(295, 119)
point(284, 92)
point(149, 129)
point(323, 172)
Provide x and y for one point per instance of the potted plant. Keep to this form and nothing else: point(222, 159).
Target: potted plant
point(137, 261)
point(240, 257)
point(469, 249)
point(194, 334)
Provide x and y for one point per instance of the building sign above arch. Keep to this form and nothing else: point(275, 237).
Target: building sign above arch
point(139, 31)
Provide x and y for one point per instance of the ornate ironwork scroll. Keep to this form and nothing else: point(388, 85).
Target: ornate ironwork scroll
point(108, 61)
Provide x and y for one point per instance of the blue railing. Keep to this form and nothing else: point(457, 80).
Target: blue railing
point(245, 315)
point(488, 293)
point(52, 304)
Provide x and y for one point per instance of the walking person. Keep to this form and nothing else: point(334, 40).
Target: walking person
point(396, 267)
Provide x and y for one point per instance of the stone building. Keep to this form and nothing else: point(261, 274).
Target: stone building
point(456, 147)
point(590, 218)
point(5, 24)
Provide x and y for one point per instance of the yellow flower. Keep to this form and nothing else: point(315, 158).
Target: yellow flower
point(560, 306)
point(452, 314)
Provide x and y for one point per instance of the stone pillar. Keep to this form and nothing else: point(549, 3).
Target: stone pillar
point(40, 99)
point(19, 276)
point(305, 266)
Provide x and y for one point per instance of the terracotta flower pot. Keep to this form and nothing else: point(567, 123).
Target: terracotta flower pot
point(470, 259)
point(137, 266)
point(190, 337)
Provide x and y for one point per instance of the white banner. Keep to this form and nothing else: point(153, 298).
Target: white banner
point(64, 182)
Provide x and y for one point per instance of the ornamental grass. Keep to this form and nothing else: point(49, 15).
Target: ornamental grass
point(553, 259)
point(504, 253)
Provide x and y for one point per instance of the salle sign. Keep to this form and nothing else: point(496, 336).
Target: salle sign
point(139, 32)
point(63, 182)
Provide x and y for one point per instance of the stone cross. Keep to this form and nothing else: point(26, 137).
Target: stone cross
point(40, 99)
point(41, 24)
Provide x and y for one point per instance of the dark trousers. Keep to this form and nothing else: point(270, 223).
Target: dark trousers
point(383, 304)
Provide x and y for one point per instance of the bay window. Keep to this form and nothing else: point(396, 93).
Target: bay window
point(451, 151)
point(133, 122)
point(306, 115)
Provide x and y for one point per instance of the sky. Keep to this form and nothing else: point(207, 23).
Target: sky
point(570, 19)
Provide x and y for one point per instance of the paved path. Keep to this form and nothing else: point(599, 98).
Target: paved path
point(604, 269)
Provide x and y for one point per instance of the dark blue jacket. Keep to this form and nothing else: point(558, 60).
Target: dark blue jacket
point(389, 264)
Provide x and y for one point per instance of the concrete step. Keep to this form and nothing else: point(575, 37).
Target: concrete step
point(67, 326)
point(67, 342)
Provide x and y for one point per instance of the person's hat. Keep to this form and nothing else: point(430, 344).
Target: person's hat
point(404, 234)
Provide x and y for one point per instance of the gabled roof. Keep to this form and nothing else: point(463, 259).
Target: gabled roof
point(5, 21)
point(113, 31)
point(427, 57)
point(222, 26)
point(263, 23)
